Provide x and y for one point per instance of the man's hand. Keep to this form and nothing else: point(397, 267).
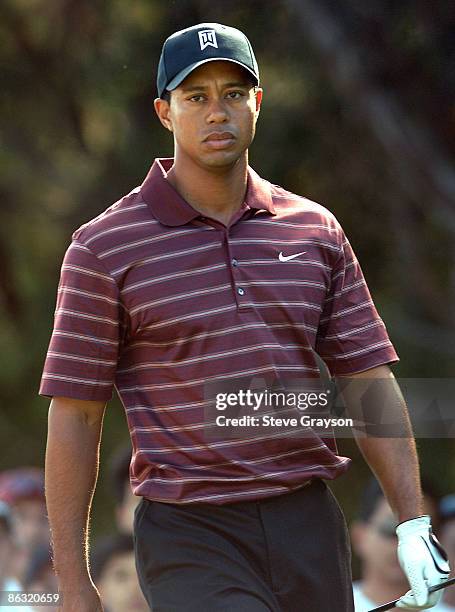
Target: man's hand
point(424, 562)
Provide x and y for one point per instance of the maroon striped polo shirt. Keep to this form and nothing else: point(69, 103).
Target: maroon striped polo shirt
point(158, 301)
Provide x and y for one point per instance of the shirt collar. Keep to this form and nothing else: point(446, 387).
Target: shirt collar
point(168, 206)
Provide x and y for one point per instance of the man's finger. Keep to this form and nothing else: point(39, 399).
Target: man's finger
point(418, 586)
point(391, 604)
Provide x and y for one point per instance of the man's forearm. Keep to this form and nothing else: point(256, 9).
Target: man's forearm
point(393, 460)
point(395, 464)
point(72, 458)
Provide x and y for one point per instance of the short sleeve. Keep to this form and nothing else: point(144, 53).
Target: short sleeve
point(83, 351)
point(351, 335)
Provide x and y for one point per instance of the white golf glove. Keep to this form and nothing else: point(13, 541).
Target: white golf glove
point(424, 562)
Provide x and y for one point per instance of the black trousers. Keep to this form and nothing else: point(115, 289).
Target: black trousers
point(289, 553)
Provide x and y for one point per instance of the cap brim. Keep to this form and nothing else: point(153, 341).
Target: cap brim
point(181, 76)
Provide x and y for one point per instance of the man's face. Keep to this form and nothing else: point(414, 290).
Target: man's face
point(119, 587)
point(447, 538)
point(31, 522)
point(31, 528)
point(375, 542)
point(212, 115)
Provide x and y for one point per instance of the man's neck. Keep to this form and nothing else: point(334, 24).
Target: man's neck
point(216, 193)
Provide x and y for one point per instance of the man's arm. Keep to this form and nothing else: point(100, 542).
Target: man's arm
point(72, 460)
point(394, 461)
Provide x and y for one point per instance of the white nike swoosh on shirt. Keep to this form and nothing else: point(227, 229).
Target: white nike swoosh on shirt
point(282, 257)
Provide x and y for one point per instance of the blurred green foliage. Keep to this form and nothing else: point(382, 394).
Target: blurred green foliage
point(78, 131)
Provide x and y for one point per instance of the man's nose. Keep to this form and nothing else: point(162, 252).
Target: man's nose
point(217, 111)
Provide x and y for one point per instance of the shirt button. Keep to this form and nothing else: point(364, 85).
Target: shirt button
point(241, 291)
point(235, 263)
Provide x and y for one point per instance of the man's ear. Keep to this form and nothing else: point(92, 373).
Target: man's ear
point(258, 95)
point(162, 109)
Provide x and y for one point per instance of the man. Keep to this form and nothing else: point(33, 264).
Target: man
point(114, 572)
point(447, 512)
point(40, 576)
point(206, 274)
point(23, 490)
point(374, 540)
point(8, 543)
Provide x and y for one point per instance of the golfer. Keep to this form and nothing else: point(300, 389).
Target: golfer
point(205, 274)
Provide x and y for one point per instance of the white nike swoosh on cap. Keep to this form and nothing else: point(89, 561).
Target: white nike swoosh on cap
point(282, 257)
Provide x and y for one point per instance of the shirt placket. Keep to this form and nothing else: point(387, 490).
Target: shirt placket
point(239, 292)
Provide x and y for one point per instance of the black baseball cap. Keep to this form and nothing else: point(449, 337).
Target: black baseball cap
point(187, 49)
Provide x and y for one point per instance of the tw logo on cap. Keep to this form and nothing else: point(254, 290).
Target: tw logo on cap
point(207, 38)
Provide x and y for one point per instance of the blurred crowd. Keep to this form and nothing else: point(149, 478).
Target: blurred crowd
point(25, 549)
point(374, 541)
point(26, 562)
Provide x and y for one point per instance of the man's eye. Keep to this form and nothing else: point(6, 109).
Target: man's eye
point(197, 98)
point(235, 95)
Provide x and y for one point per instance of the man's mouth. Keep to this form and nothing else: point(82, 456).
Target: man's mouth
point(219, 140)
